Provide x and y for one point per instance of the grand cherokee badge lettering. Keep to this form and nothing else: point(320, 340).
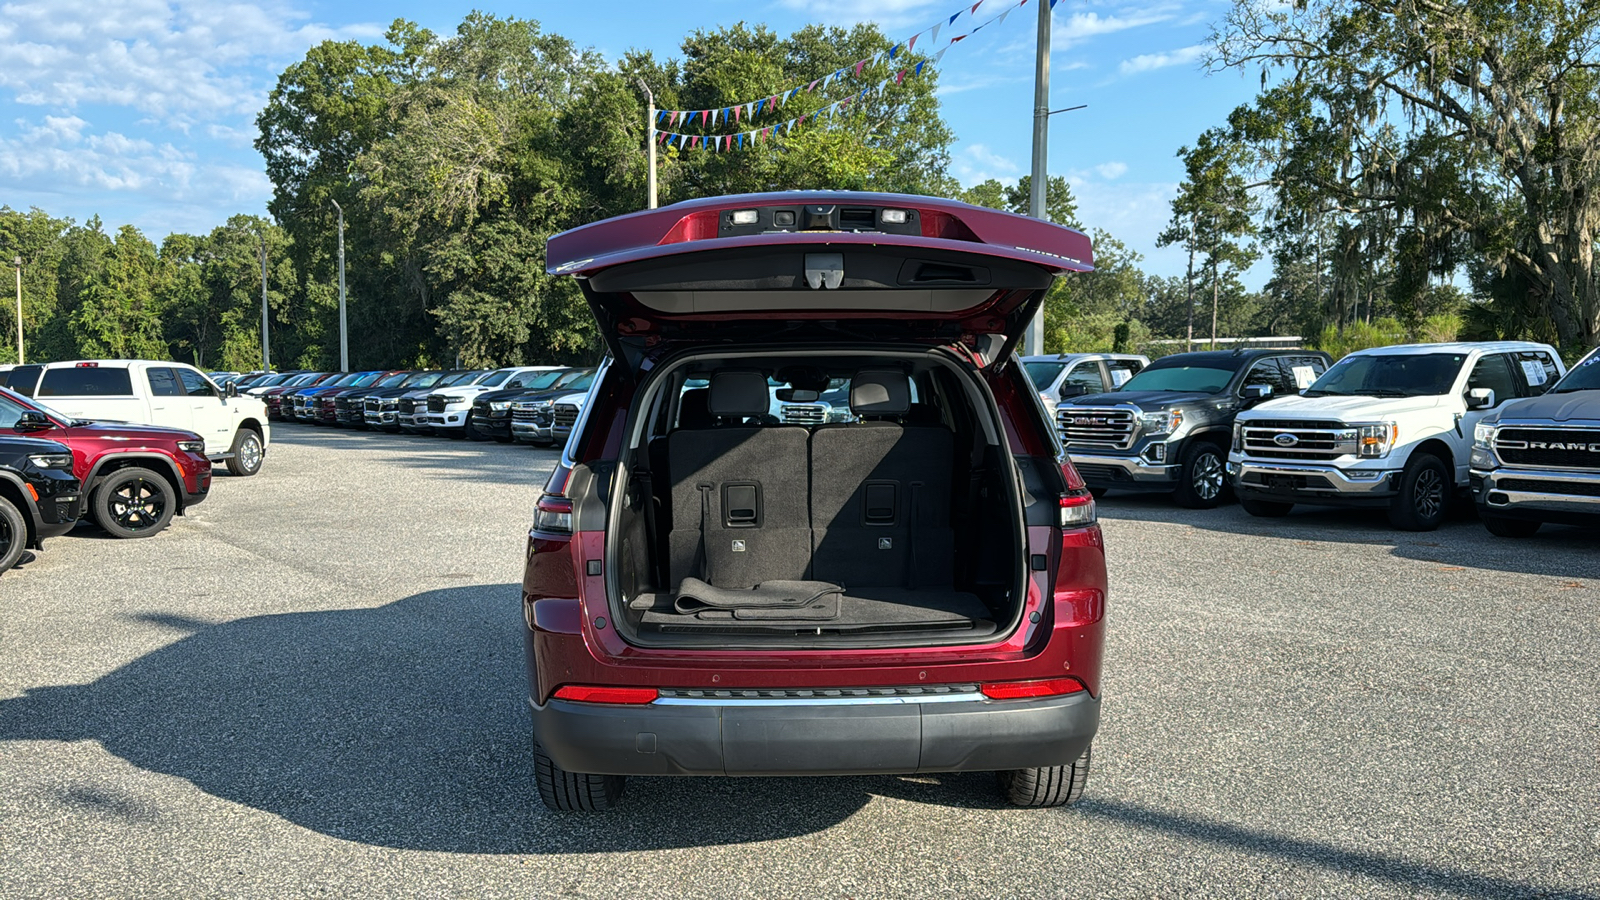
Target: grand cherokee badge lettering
point(1286, 440)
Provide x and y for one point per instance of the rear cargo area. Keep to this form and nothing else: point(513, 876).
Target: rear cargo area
point(894, 516)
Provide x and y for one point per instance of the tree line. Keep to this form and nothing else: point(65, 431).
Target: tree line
point(1396, 151)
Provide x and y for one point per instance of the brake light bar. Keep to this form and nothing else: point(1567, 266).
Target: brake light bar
point(620, 696)
point(1016, 690)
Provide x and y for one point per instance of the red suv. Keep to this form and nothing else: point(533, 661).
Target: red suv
point(137, 477)
point(726, 576)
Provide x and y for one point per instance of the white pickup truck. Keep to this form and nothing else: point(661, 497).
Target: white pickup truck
point(149, 392)
point(1390, 427)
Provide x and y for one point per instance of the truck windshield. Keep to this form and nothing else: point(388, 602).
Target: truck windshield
point(1585, 376)
point(496, 379)
point(1043, 374)
point(1199, 379)
point(1389, 375)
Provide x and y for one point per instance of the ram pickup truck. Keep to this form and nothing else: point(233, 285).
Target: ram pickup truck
point(413, 407)
point(1068, 375)
point(1167, 429)
point(149, 392)
point(533, 417)
point(1537, 460)
point(491, 411)
point(450, 410)
point(1389, 427)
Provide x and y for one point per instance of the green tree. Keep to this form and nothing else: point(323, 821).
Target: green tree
point(1213, 215)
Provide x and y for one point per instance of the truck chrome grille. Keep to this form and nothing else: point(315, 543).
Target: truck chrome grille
point(371, 405)
point(1298, 439)
point(1540, 486)
point(564, 415)
point(521, 414)
point(1086, 427)
point(1549, 448)
point(805, 413)
point(408, 405)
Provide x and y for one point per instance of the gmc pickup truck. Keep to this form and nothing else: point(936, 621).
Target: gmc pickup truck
point(1537, 460)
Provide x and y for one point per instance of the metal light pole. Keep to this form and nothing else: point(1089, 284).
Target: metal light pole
point(18, 263)
point(344, 336)
point(650, 140)
point(1033, 341)
point(266, 340)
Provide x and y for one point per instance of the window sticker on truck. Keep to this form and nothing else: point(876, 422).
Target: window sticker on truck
point(1534, 371)
point(1303, 376)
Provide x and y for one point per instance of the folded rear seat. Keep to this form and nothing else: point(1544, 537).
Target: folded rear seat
point(880, 492)
point(739, 508)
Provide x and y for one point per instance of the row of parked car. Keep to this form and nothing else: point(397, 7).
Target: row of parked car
point(532, 404)
point(127, 444)
point(1409, 429)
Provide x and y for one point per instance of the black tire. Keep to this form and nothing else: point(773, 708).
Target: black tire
point(13, 535)
point(1098, 492)
point(1424, 498)
point(248, 452)
point(574, 791)
point(1202, 476)
point(1266, 509)
point(1510, 528)
point(1047, 785)
point(133, 503)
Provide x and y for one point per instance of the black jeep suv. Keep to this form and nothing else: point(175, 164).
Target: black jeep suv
point(39, 496)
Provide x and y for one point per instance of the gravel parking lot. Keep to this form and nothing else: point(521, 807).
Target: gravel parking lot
point(313, 685)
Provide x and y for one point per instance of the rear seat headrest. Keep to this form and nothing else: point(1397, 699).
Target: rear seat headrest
point(739, 392)
point(692, 411)
point(880, 392)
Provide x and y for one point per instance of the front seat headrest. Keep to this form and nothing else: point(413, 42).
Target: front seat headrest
point(880, 392)
point(739, 392)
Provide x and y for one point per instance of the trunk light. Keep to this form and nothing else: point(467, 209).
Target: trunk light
point(1014, 690)
point(617, 695)
point(1077, 510)
point(745, 217)
point(894, 216)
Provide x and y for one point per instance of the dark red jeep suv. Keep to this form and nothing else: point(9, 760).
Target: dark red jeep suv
point(725, 577)
point(135, 477)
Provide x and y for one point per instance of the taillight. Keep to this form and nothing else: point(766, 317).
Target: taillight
point(1077, 510)
point(616, 695)
point(1013, 690)
point(553, 514)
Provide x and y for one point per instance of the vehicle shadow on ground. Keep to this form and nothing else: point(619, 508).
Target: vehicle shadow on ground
point(1560, 551)
point(440, 457)
point(401, 726)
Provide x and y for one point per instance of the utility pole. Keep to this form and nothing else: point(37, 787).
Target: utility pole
point(266, 340)
point(1188, 290)
point(18, 262)
point(650, 140)
point(344, 336)
point(1033, 342)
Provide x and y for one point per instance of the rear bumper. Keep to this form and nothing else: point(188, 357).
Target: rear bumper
point(1544, 495)
point(793, 737)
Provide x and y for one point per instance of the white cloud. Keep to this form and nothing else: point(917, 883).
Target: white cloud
point(1111, 170)
point(888, 13)
point(975, 163)
point(175, 59)
point(1080, 27)
point(1151, 61)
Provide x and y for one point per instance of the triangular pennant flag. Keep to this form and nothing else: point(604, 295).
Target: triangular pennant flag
point(1003, 16)
point(674, 118)
point(759, 105)
point(859, 66)
point(736, 112)
point(811, 87)
point(976, 5)
point(961, 37)
point(893, 50)
point(1052, 4)
point(938, 56)
point(934, 38)
point(953, 19)
point(912, 44)
point(899, 77)
point(749, 109)
point(919, 68)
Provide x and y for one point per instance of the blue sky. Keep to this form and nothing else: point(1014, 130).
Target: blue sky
point(142, 111)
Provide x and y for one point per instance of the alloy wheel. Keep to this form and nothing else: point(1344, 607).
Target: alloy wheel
point(137, 505)
point(250, 452)
point(1207, 476)
point(1428, 494)
point(6, 537)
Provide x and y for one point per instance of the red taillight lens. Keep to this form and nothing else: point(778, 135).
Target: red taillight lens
point(1013, 690)
point(617, 695)
point(553, 514)
point(1077, 510)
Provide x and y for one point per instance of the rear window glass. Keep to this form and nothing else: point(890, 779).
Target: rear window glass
point(86, 382)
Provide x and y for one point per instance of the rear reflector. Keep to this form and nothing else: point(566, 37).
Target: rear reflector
point(618, 695)
point(1051, 687)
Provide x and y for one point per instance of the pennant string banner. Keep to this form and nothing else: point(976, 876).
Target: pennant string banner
point(671, 117)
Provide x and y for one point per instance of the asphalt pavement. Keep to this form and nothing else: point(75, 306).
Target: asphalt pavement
point(313, 685)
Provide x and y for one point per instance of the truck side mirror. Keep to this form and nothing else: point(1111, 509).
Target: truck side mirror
point(1480, 398)
point(1068, 391)
point(32, 420)
point(1255, 393)
point(232, 389)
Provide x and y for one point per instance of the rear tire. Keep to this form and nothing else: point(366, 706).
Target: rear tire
point(1510, 528)
point(13, 535)
point(574, 791)
point(248, 453)
point(1424, 497)
point(1202, 477)
point(133, 503)
point(1047, 785)
point(1266, 509)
